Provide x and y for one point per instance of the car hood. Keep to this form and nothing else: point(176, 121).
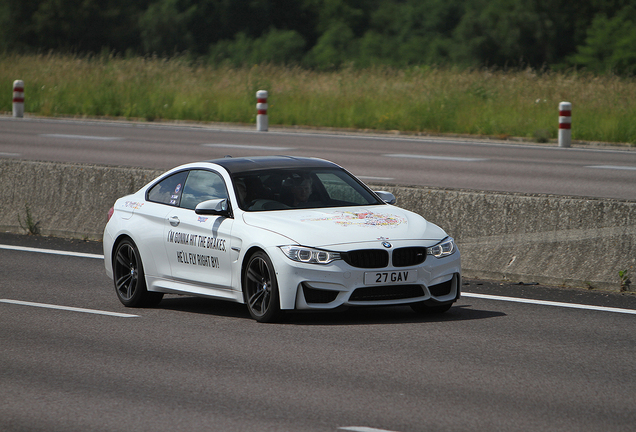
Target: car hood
point(332, 226)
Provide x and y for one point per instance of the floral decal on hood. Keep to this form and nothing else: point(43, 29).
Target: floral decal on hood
point(361, 219)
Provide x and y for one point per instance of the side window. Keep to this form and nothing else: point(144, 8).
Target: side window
point(201, 186)
point(169, 190)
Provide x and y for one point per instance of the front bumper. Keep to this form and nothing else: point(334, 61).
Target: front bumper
point(318, 287)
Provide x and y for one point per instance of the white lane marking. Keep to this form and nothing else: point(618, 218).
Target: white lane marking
point(363, 429)
point(439, 158)
point(9, 154)
point(550, 303)
point(68, 308)
point(464, 294)
point(249, 147)
point(613, 167)
point(83, 137)
point(251, 131)
point(374, 178)
point(51, 251)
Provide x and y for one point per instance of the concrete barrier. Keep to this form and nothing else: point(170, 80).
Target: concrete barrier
point(66, 200)
point(555, 240)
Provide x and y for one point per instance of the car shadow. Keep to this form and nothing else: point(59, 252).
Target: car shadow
point(348, 316)
point(205, 306)
point(386, 315)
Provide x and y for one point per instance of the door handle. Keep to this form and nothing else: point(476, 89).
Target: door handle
point(174, 221)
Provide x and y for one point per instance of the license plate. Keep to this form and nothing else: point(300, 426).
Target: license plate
point(391, 277)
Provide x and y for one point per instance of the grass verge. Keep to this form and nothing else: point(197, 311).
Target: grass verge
point(425, 99)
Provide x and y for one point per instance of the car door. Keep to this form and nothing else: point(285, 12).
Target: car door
point(198, 247)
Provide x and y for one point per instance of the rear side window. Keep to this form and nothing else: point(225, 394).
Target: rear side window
point(200, 186)
point(169, 190)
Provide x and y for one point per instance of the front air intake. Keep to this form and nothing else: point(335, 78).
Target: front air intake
point(441, 289)
point(389, 292)
point(313, 295)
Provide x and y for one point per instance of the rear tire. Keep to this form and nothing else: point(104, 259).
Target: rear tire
point(261, 288)
point(129, 278)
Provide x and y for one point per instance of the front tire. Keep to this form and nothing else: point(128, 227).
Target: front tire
point(129, 279)
point(261, 288)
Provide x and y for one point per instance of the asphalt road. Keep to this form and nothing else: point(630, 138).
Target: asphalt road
point(377, 159)
point(197, 364)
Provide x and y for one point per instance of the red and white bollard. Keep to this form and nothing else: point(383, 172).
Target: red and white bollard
point(565, 124)
point(261, 110)
point(18, 98)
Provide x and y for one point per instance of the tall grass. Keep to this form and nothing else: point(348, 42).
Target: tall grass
point(424, 100)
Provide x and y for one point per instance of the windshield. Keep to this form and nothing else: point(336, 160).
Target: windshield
point(280, 189)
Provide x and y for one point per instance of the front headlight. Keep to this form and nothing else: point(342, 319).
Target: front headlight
point(309, 255)
point(443, 249)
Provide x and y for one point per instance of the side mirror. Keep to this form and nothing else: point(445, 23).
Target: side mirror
point(387, 197)
point(215, 207)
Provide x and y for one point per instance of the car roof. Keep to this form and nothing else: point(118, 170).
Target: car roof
point(257, 163)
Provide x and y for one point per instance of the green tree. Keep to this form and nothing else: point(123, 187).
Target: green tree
point(237, 51)
point(351, 13)
point(275, 46)
point(410, 32)
point(333, 49)
point(165, 27)
point(508, 33)
point(610, 45)
point(85, 25)
point(279, 46)
point(77, 25)
point(16, 24)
